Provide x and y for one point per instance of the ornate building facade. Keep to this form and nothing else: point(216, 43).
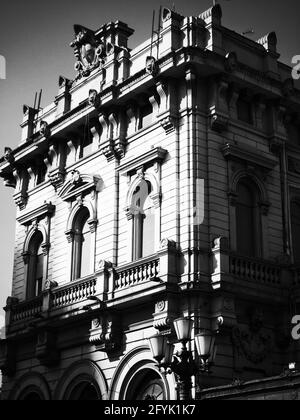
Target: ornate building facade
point(161, 182)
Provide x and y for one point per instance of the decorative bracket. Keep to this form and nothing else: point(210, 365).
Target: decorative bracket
point(105, 333)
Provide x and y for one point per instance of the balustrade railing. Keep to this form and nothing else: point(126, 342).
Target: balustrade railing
point(27, 310)
point(136, 273)
point(74, 293)
point(255, 270)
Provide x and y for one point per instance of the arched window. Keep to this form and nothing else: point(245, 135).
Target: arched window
point(36, 266)
point(248, 223)
point(82, 246)
point(295, 222)
point(143, 221)
point(85, 391)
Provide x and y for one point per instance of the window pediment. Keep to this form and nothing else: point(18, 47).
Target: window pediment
point(78, 184)
point(249, 155)
point(47, 209)
point(158, 154)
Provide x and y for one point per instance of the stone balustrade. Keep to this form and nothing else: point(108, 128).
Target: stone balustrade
point(136, 273)
point(26, 310)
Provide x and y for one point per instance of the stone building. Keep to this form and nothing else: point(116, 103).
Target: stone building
point(162, 182)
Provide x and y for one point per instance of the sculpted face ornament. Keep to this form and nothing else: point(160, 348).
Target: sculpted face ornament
point(94, 98)
point(88, 51)
point(151, 66)
point(8, 155)
point(44, 129)
point(231, 62)
point(75, 177)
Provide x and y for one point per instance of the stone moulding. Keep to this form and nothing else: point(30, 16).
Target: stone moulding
point(157, 154)
point(47, 209)
point(79, 183)
point(249, 155)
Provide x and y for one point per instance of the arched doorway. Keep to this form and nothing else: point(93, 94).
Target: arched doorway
point(146, 385)
point(84, 391)
point(31, 393)
point(32, 396)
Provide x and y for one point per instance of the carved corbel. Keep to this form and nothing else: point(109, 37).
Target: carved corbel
point(93, 225)
point(72, 146)
point(105, 136)
point(156, 199)
point(129, 212)
point(132, 118)
point(164, 315)
point(167, 93)
point(154, 100)
point(70, 235)
point(96, 131)
point(113, 135)
point(55, 161)
point(106, 334)
point(46, 248)
point(169, 124)
point(21, 196)
point(119, 127)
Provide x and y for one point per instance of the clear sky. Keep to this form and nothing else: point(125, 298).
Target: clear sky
point(35, 37)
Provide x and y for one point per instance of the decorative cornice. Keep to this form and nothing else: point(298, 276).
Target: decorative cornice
point(249, 155)
point(154, 155)
point(47, 209)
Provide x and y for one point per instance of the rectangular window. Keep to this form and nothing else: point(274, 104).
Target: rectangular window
point(244, 111)
point(146, 116)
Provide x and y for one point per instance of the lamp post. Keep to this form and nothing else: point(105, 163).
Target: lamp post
point(182, 364)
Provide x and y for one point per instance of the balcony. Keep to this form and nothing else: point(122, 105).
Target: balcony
point(115, 286)
point(254, 270)
point(249, 276)
point(27, 310)
point(73, 294)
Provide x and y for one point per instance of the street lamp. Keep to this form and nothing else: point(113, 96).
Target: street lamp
point(182, 364)
point(205, 344)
